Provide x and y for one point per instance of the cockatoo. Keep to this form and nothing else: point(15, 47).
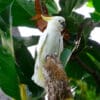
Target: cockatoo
point(51, 42)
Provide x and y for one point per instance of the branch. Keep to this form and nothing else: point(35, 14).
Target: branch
point(89, 69)
point(86, 23)
point(56, 82)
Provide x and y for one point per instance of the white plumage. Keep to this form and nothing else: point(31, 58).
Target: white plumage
point(51, 42)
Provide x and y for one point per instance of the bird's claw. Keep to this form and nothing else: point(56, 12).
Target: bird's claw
point(52, 56)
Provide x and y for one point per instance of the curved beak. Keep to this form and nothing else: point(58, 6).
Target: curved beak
point(45, 18)
point(63, 24)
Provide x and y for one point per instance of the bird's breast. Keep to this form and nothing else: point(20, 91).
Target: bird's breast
point(52, 45)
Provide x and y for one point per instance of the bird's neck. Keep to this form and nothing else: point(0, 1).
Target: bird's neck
point(53, 28)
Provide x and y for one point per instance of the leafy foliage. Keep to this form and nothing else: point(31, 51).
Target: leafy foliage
point(8, 75)
point(80, 57)
point(96, 14)
point(8, 78)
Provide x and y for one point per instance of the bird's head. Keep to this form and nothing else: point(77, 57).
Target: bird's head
point(56, 22)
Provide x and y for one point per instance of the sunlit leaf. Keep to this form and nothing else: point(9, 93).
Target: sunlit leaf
point(96, 62)
point(83, 92)
point(52, 6)
point(90, 3)
point(96, 5)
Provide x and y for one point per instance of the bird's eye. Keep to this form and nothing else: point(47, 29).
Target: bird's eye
point(59, 20)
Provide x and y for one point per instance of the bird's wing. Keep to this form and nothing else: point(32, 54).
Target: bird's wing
point(61, 44)
point(38, 75)
point(41, 43)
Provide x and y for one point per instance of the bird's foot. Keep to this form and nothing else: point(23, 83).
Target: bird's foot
point(51, 56)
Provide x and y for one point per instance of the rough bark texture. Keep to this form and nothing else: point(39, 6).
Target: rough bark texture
point(56, 81)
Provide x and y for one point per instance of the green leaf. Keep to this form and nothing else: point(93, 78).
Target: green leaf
point(80, 3)
point(24, 60)
point(22, 12)
point(25, 68)
point(74, 70)
point(91, 54)
point(72, 25)
point(83, 92)
point(36, 90)
point(8, 76)
point(4, 19)
point(96, 62)
point(68, 5)
point(91, 48)
point(94, 49)
point(52, 7)
point(4, 4)
point(90, 3)
point(6, 33)
point(87, 28)
point(95, 16)
point(27, 5)
point(3, 25)
point(87, 60)
point(73, 22)
point(65, 56)
point(96, 5)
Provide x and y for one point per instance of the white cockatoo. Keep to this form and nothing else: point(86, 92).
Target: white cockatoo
point(51, 42)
